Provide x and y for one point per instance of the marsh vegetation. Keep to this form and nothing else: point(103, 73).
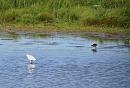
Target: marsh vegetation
point(108, 13)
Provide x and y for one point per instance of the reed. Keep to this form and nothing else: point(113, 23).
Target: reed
point(112, 13)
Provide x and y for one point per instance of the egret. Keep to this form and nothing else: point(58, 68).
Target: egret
point(30, 58)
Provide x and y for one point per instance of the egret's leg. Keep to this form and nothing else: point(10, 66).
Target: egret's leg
point(30, 61)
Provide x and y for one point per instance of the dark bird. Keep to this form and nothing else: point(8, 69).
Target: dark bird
point(94, 45)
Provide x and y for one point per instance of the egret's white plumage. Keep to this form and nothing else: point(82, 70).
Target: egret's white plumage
point(30, 58)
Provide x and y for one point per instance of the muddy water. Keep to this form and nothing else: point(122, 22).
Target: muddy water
point(63, 61)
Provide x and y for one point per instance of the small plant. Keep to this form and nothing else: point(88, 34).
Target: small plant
point(127, 42)
point(89, 21)
point(45, 17)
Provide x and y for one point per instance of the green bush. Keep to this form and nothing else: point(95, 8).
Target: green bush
point(114, 3)
point(9, 16)
point(91, 16)
point(126, 12)
point(109, 21)
point(45, 17)
point(75, 13)
point(68, 15)
point(89, 21)
point(27, 19)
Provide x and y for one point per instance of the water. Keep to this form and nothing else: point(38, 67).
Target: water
point(63, 61)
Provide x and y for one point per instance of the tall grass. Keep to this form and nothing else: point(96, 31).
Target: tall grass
point(110, 13)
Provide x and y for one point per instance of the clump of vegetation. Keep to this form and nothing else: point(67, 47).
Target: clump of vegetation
point(27, 19)
point(127, 42)
point(45, 17)
point(109, 21)
point(9, 16)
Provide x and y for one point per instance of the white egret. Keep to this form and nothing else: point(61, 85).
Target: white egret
point(30, 58)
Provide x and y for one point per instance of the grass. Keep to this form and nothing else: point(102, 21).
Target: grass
point(91, 15)
point(63, 27)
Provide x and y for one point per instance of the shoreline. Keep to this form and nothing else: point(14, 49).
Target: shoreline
point(90, 31)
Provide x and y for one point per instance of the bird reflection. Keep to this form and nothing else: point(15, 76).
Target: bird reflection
point(31, 68)
point(94, 50)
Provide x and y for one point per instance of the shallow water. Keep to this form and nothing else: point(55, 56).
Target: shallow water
point(63, 61)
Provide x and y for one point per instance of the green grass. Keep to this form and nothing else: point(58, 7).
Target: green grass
point(78, 13)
